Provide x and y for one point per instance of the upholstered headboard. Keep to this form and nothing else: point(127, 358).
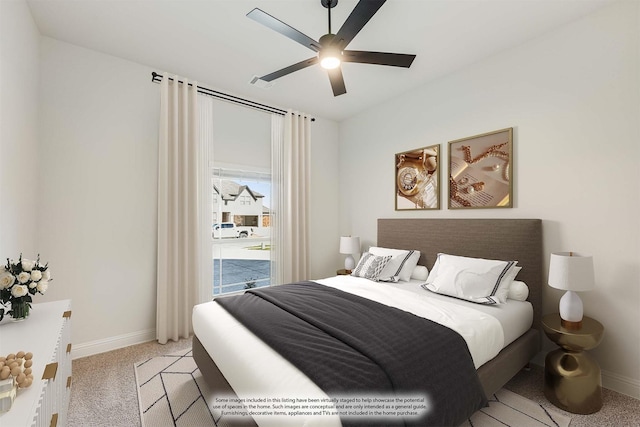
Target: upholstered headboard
point(504, 239)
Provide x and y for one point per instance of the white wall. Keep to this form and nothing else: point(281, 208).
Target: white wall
point(98, 174)
point(248, 143)
point(99, 127)
point(19, 162)
point(324, 200)
point(573, 99)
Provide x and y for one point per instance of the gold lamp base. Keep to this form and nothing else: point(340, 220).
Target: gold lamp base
point(571, 326)
point(572, 381)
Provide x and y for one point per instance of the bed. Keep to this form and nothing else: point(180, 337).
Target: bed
point(231, 374)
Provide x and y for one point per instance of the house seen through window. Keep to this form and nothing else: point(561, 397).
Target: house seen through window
point(241, 234)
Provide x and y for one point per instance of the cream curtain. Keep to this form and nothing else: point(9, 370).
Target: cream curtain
point(205, 172)
point(290, 160)
point(178, 217)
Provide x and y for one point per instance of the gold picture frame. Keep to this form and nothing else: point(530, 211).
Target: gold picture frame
point(481, 171)
point(417, 179)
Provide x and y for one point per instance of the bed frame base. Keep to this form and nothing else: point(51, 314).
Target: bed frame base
point(512, 359)
point(217, 383)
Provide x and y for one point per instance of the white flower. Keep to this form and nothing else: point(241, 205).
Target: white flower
point(24, 277)
point(19, 291)
point(42, 286)
point(36, 275)
point(27, 264)
point(6, 279)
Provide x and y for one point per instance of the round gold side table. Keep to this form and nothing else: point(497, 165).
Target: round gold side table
point(572, 379)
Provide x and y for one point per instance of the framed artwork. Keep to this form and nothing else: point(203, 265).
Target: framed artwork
point(480, 171)
point(417, 185)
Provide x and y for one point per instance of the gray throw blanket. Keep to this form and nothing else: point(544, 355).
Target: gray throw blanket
point(347, 344)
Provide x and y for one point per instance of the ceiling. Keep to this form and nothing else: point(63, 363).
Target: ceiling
point(212, 41)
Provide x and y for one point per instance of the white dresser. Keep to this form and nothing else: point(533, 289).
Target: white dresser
point(47, 334)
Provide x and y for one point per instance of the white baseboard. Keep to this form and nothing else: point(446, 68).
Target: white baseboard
point(112, 343)
point(621, 384)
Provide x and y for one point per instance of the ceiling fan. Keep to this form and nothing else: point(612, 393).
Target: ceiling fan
point(330, 48)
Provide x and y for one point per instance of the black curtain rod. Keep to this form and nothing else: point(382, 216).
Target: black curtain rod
point(157, 78)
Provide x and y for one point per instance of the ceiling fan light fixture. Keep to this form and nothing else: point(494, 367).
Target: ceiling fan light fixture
point(330, 62)
point(329, 55)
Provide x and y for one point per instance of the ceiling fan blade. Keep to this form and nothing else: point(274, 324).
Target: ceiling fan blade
point(378, 58)
point(275, 24)
point(337, 81)
point(290, 69)
point(360, 15)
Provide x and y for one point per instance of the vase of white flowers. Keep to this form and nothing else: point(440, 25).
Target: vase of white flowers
point(19, 280)
point(19, 309)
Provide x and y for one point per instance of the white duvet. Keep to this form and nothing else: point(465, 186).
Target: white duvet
point(254, 370)
point(482, 332)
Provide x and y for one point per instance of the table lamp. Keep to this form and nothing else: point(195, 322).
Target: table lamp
point(349, 245)
point(572, 272)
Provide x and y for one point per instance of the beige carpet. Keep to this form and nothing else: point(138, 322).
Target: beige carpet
point(171, 392)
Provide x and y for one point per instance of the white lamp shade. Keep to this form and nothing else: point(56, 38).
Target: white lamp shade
point(571, 271)
point(349, 245)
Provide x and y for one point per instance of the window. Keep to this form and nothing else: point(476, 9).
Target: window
point(236, 146)
point(241, 242)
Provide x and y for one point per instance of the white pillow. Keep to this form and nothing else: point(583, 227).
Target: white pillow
point(518, 291)
point(370, 266)
point(420, 272)
point(479, 280)
point(402, 262)
point(503, 291)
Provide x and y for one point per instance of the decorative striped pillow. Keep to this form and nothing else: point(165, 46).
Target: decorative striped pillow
point(370, 266)
point(401, 265)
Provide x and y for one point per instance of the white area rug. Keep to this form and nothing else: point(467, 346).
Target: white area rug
point(509, 409)
point(172, 392)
